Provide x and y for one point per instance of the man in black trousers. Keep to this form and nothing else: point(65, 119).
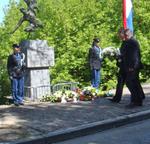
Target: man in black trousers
point(131, 58)
point(130, 64)
point(121, 73)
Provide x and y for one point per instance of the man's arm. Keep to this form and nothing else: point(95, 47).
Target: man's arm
point(137, 55)
point(90, 56)
point(134, 57)
point(9, 66)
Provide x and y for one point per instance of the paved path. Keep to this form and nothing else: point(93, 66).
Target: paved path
point(38, 119)
point(137, 133)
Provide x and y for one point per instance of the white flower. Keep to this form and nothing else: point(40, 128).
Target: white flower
point(108, 50)
point(75, 99)
point(63, 99)
point(74, 94)
point(58, 94)
point(111, 51)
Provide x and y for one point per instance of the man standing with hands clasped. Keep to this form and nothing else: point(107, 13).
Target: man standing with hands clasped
point(16, 69)
point(95, 63)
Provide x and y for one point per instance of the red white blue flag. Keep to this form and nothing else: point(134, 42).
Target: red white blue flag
point(128, 14)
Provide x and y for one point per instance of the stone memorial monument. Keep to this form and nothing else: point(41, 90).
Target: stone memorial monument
point(39, 57)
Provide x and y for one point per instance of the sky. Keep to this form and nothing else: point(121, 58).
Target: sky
point(3, 5)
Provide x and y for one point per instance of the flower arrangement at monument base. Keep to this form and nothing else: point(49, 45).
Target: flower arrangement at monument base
point(62, 96)
point(87, 94)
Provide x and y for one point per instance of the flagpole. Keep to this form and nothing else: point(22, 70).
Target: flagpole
point(127, 14)
point(124, 14)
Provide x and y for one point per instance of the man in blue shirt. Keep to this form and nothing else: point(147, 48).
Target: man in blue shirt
point(16, 69)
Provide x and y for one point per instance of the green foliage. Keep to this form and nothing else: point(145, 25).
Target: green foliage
point(69, 26)
point(50, 98)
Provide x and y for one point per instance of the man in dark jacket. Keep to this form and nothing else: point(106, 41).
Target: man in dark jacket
point(129, 65)
point(95, 62)
point(16, 69)
point(132, 64)
point(121, 73)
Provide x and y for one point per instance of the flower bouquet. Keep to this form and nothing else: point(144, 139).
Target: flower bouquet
point(111, 52)
point(66, 96)
point(87, 94)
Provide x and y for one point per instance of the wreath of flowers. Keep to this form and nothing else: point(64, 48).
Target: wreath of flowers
point(111, 52)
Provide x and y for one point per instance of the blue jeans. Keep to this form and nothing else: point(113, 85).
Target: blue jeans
point(95, 78)
point(17, 88)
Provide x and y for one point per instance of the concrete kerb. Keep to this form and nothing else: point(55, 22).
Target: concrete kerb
point(61, 135)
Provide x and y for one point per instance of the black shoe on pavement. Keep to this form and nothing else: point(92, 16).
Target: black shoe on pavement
point(21, 103)
point(16, 104)
point(133, 105)
point(114, 101)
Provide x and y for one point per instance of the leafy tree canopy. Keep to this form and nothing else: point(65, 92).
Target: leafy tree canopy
point(69, 26)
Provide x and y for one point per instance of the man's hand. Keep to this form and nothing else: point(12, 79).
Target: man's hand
point(131, 69)
point(10, 77)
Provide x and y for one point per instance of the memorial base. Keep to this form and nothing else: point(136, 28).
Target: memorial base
point(39, 57)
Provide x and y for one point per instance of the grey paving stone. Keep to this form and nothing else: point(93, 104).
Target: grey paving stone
point(37, 119)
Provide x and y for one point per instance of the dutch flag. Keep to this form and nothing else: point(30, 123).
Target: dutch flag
point(128, 14)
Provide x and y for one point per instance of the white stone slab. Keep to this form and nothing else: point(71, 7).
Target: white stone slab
point(38, 53)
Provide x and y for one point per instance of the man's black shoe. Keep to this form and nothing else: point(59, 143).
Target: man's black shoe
point(138, 104)
point(16, 104)
point(21, 103)
point(143, 97)
point(114, 101)
point(133, 105)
